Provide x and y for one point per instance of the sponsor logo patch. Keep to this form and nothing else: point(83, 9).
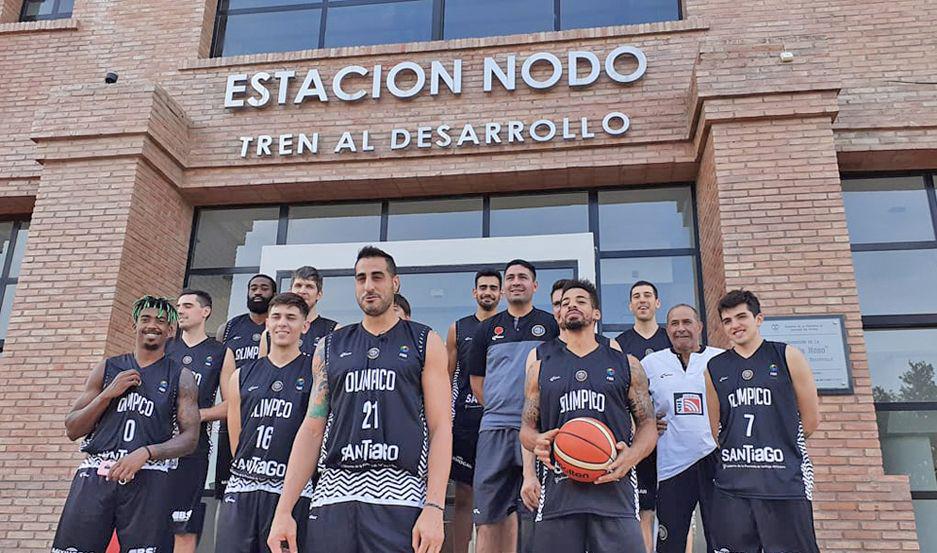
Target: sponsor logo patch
point(373, 353)
point(163, 386)
point(255, 337)
point(773, 370)
point(300, 382)
point(688, 403)
point(748, 374)
point(276, 386)
point(610, 374)
point(187, 359)
point(581, 375)
point(538, 330)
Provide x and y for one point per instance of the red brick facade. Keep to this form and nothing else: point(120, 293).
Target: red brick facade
point(110, 174)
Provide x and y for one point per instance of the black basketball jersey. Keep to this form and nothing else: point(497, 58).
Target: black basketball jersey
point(763, 451)
point(466, 411)
point(242, 336)
point(593, 386)
point(318, 329)
point(204, 360)
point(633, 343)
point(376, 440)
point(273, 405)
point(143, 415)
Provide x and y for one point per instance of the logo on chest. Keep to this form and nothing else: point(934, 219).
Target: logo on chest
point(688, 403)
point(499, 333)
point(538, 330)
point(373, 353)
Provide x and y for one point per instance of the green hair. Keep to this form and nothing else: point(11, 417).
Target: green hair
point(163, 306)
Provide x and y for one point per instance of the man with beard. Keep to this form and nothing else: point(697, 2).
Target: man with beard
point(266, 402)
point(685, 464)
point(466, 411)
point(211, 363)
point(127, 414)
point(496, 364)
point(378, 427)
point(242, 333)
point(307, 284)
point(645, 337)
point(585, 378)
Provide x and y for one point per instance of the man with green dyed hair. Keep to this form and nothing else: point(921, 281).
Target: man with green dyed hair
point(125, 415)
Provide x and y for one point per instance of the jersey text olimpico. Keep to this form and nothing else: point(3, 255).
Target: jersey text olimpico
point(376, 443)
point(242, 335)
point(273, 405)
point(594, 386)
point(763, 452)
point(142, 415)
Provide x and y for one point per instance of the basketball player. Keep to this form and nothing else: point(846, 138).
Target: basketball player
point(402, 307)
point(645, 337)
point(242, 333)
point(685, 463)
point(379, 429)
point(266, 402)
point(307, 284)
point(126, 414)
point(496, 366)
point(466, 411)
point(585, 378)
point(762, 406)
point(211, 363)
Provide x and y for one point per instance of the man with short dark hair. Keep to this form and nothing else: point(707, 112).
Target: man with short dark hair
point(378, 428)
point(242, 333)
point(211, 363)
point(402, 307)
point(685, 462)
point(497, 363)
point(763, 404)
point(266, 402)
point(582, 377)
point(127, 414)
point(307, 283)
point(644, 338)
point(466, 411)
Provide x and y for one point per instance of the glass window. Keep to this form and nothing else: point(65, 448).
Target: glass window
point(6, 229)
point(228, 296)
point(325, 224)
point(887, 210)
point(19, 249)
point(338, 300)
point(658, 218)
point(541, 214)
point(926, 511)
point(362, 25)
point(475, 18)
point(675, 278)
point(234, 237)
point(896, 281)
point(902, 364)
point(577, 14)
point(277, 31)
point(37, 10)
point(461, 218)
point(909, 446)
point(545, 280)
point(5, 309)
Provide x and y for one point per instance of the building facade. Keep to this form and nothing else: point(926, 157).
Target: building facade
point(786, 147)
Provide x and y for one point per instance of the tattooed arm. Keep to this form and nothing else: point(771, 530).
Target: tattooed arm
point(304, 456)
point(536, 444)
point(645, 436)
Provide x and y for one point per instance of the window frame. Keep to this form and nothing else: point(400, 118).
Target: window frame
point(57, 13)
point(7, 264)
point(437, 31)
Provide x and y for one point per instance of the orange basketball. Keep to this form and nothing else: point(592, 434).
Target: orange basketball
point(583, 448)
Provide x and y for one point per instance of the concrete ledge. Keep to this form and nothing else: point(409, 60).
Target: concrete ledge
point(70, 24)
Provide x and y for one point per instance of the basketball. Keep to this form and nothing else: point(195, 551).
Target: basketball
point(583, 448)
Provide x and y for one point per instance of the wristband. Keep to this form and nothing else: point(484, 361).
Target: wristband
point(149, 454)
point(434, 506)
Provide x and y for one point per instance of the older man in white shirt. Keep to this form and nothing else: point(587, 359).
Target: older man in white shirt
point(685, 463)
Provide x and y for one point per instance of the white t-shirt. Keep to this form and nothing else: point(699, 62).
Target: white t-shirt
point(680, 396)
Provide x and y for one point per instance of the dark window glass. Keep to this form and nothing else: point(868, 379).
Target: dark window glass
point(325, 224)
point(379, 23)
point(475, 18)
point(19, 249)
point(234, 237)
point(543, 214)
point(228, 296)
point(909, 446)
point(902, 363)
point(5, 308)
point(338, 300)
point(675, 278)
point(279, 31)
point(887, 210)
point(576, 14)
point(896, 282)
point(545, 280)
point(38, 10)
point(925, 511)
point(658, 218)
point(6, 230)
point(434, 219)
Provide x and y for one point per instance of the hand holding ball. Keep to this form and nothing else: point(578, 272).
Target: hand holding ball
point(584, 448)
